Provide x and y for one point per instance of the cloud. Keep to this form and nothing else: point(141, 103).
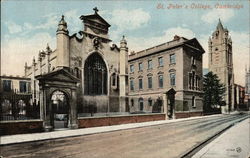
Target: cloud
point(73, 21)
point(13, 27)
point(125, 20)
point(140, 43)
point(213, 15)
point(17, 51)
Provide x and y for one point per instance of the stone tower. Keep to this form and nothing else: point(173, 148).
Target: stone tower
point(221, 63)
point(62, 35)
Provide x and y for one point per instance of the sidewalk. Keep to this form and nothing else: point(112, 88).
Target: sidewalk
point(235, 142)
point(21, 138)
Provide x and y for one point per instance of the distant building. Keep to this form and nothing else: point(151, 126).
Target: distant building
point(15, 96)
point(16, 84)
point(239, 95)
point(175, 64)
point(221, 63)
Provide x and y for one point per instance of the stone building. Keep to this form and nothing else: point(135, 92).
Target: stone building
point(95, 69)
point(15, 97)
point(239, 95)
point(221, 63)
point(15, 84)
point(176, 65)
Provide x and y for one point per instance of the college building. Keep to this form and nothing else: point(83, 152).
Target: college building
point(176, 65)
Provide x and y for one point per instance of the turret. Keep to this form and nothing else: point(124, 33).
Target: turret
point(123, 65)
point(62, 51)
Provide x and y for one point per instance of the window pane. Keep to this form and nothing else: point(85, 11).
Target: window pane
point(7, 85)
point(131, 85)
point(150, 82)
point(140, 84)
point(150, 66)
point(22, 86)
point(160, 81)
point(140, 66)
point(172, 58)
point(160, 60)
point(172, 79)
point(131, 68)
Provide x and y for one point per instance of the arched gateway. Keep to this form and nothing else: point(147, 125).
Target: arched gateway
point(58, 99)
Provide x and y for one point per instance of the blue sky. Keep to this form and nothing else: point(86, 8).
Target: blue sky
point(27, 26)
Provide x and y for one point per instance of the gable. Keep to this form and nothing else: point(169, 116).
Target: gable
point(95, 18)
point(194, 42)
point(58, 75)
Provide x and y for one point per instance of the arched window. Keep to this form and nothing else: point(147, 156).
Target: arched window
point(95, 75)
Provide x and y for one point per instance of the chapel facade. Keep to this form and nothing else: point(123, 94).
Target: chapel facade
point(89, 56)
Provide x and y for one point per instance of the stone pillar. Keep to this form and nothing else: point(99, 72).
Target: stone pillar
point(47, 107)
point(165, 106)
point(73, 122)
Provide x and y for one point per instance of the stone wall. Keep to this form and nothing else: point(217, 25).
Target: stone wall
point(187, 114)
point(20, 127)
point(108, 121)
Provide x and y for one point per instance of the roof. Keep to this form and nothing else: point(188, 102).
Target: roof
point(192, 43)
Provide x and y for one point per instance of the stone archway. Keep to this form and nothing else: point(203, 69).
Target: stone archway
point(60, 109)
point(58, 81)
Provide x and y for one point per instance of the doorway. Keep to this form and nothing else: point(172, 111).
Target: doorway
point(60, 108)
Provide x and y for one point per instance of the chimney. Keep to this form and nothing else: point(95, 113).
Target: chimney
point(176, 38)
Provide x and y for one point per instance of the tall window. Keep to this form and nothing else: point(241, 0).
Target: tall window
point(150, 64)
point(95, 75)
point(160, 61)
point(172, 58)
point(23, 86)
point(132, 69)
point(140, 67)
point(7, 85)
point(140, 83)
point(193, 80)
point(131, 84)
point(160, 80)
point(113, 79)
point(150, 82)
point(172, 79)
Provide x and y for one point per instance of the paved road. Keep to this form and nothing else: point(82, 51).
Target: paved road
point(160, 141)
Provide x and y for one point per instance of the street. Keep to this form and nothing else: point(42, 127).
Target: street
point(159, 141)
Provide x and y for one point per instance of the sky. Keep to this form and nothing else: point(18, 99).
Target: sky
point(27, 26)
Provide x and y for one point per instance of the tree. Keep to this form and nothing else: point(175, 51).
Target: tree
point(213, 92)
